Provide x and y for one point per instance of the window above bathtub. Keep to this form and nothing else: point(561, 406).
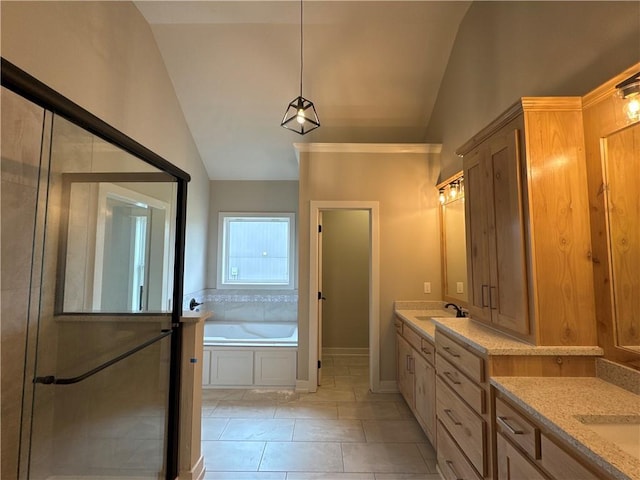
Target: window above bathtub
point(256, 250)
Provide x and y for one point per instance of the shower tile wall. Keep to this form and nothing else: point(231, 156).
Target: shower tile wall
point(247, 304)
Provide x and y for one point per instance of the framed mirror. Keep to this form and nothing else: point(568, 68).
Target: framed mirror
point(621, 173)
point(453, 250)
point(612, 147)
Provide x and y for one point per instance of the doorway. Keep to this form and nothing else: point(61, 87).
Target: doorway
point(316, 304)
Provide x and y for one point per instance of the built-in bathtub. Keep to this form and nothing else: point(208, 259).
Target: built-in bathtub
point(251, 333)
point(249, 354)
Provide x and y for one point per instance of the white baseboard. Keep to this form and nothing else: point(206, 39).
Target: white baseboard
point(345, 351)
point(388, 386)
point(196, 473)
point(302, 386)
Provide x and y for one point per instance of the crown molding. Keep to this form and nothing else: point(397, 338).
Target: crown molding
point(384, 148)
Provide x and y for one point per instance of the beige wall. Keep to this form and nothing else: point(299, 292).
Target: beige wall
point(506, 50)
point(245, 196)
point(404, 184)
point(102, 55)
point(345, 279)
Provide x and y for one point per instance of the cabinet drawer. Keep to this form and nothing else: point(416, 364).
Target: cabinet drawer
point(512, 465)
point(465, 426)
point(412, 337)
point(428, 350)
point(463, 359)
point(453, 464)
point(560, 464)
point(469, 391)
point(518, 429)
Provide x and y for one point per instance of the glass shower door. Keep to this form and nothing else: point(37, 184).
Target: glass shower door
point(99, 350)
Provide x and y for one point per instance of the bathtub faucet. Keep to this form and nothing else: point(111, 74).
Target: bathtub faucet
point(193, 304)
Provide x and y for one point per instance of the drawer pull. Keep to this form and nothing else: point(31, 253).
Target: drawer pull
point(453, 419)
point(453, 470)
point(451, 378)
point(451, 352)
point(484, 304)
point(505, 423)
point(425, 350)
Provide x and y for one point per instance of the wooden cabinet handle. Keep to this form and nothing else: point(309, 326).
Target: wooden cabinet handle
point(450, 377)
point(505, 423)
point(425, 350)
point(407, 363)
point(484, 288)
point(453, 470)
point(450, 352)
point(453, 419)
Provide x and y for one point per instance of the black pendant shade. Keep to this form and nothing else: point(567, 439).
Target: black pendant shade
point(300, 116)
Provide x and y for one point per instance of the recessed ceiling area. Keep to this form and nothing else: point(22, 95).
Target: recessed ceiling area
point(373, 70)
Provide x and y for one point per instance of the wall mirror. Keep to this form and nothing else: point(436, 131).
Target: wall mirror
point(621, 173)
point(452, 240)
point(117, 227)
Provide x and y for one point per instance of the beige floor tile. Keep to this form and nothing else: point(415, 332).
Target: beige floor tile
point(408, 476)
point(329, 476)
point(393, 431)
point(369, 411)
point(327, 381)
point(363, 394)
point(212, 428)
point(263, 429)
point(302, 457)
point(240, 409)
point(335, 370)
point(329, 394)
point(403, 408)
point(210, 395)
point(327, 410)
point(263, 395)
point(328, 431)
point(361, 370)
point(245, 476)
point(352, 381)
point(427, 450)
point(383, 458)
point(232, 456)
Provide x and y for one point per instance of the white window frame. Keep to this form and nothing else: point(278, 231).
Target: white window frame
point(223, 218)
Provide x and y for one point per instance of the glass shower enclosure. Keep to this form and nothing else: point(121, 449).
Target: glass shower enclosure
point(92, 262)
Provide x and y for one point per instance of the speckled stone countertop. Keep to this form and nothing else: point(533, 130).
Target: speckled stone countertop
point(492, 342)
point(557, 403)
point(422, 320)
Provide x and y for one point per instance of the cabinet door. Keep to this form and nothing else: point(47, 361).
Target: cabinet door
point(476, 182)
point(405, 370)
point(508, 286)
point(425, 384)
point(512, 465)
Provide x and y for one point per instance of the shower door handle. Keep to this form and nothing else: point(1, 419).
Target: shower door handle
point(140, 298)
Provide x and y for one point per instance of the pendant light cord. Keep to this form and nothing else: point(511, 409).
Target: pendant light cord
point(301, 48)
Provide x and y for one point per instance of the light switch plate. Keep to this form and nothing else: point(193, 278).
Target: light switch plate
point(427, 287)
point(459, 287)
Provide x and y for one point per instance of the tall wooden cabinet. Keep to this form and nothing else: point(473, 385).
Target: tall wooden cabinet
point(528, 238)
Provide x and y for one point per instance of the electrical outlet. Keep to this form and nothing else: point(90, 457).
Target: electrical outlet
point(459, 287)
point(427, 287)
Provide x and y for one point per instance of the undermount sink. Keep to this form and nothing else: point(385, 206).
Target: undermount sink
point(623, 431)
point(424, 318)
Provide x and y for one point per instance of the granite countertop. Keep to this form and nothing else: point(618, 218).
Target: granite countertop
point(422, 320)
point(492, 342)
point(556, 403)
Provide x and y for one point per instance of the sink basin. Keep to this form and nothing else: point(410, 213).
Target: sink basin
point(623, 431)
point(424, 318)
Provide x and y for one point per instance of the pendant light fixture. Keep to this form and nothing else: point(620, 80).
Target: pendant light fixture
point(301, 115)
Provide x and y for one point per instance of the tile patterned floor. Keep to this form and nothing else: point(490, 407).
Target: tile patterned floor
point(342, 432)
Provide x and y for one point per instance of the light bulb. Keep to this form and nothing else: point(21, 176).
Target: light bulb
point(442, 197)
point(632, 108)
point(453, 190)
point(300, 117)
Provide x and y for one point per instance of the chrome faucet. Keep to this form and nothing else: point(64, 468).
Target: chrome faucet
point(459, 312)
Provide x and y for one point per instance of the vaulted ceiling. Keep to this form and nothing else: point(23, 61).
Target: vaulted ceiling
point(373, 70)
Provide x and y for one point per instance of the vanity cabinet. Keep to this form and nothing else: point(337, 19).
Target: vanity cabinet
point(463, 419)
point(525, 451)
point(527, 224)
point(417, 376)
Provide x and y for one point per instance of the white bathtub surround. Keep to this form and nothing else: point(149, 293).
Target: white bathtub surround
point(245, 354)
point(248, 304)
